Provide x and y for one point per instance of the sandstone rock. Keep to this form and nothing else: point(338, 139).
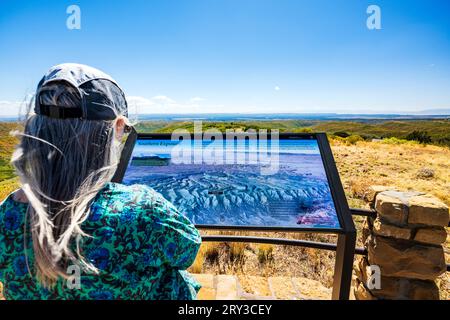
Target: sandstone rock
point(428, 210)
point(356, 266)
point(361, 292)
point(359, 272)
point(392, 207)
point(373, 191)
point(384, 229)
point(311, 289)
point(394, 288)
point(206, 294)
point(391, 288)
point(206, 280)
point(366, 230)
point(255, 285)
point(425, 173)
point(423, 290)
point(431, 235)
point(361, 269)
point(406, 289)
point(226, 288)
point(400, 258)
point(283, 289)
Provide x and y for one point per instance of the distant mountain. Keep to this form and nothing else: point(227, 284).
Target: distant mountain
point(291, 116)
point(435, 112)
point(427, 114)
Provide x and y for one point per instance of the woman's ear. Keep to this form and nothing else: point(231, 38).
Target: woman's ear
point(119, 127)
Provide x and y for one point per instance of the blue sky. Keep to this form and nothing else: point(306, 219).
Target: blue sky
point(238, 55)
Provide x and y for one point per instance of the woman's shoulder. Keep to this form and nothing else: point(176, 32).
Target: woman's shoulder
point(128, 201)
point(12, 212)
point(137, 193)
point(18, 196)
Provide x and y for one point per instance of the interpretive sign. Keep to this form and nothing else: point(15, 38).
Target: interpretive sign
point(241, 180)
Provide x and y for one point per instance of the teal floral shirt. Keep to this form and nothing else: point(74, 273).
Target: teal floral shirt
point(139, 241)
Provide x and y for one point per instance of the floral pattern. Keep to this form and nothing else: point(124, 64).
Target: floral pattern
point(138, 240)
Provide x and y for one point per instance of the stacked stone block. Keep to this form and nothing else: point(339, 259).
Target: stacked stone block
point(405, 241)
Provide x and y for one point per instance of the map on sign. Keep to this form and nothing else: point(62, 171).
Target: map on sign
point(265, 184)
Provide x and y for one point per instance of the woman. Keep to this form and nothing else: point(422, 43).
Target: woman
point(69, 232)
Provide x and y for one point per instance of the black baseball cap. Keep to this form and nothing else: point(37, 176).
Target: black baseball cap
point(100, 95)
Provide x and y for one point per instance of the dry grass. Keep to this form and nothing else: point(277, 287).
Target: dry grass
point(266, 259)
point(265, 253)
point(403, 165)
point(209, 252)
point(8, 186)
point(400, 165)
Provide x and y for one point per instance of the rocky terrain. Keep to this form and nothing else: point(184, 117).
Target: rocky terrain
point(240, 195)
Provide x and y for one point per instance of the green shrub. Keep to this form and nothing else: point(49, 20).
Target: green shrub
point(421, 136)
point(369, 137)
point(265, 253)
point(354, 138)
point(394, 140)
point(303, 130)
point(342, 134)
point(444, 141)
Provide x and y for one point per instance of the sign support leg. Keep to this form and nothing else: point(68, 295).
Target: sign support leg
point(343, 266)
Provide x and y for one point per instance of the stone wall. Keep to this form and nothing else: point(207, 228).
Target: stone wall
point(405, 241)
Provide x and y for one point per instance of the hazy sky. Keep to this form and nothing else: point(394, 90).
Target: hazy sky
point(238, 55)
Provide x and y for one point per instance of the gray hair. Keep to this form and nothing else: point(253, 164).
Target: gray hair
point(62, 164)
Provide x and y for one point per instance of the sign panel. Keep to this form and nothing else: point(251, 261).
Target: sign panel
point(239, 183)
